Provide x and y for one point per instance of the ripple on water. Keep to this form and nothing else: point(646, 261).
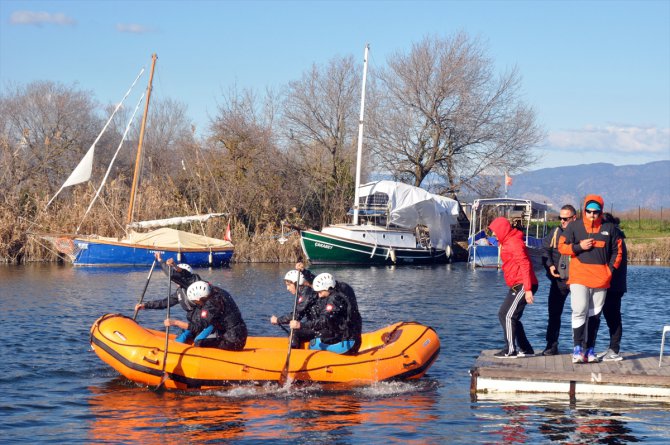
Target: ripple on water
point(53, 389)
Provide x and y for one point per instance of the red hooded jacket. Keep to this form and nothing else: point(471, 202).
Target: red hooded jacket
point(516, 265)
point(591, 268)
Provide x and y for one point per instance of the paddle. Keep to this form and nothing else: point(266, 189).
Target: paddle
point(283, 377)
point(145, 288)
point(167, 332)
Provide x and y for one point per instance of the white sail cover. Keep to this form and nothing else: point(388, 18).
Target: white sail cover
point(179, 239)
point(172, 221)
point(410, 206)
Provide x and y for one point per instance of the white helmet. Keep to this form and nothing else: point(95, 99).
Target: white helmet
point(185, 267)
point(323, 281)
point(292, 276)
point(198, 290)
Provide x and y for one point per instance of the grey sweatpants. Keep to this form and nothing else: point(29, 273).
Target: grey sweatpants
point(587, 304)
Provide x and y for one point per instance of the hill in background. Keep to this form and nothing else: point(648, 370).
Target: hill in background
point(622, 187)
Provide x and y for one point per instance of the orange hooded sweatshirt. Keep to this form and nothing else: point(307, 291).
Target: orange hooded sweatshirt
point(591, 268)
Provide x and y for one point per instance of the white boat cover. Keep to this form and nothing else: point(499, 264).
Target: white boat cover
point(172, 221)
point(410, 206)
point(166, 237)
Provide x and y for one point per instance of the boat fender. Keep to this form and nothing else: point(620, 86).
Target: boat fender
point(65, 245)
point(392, 252)
point(448, 251)
point(179, 257)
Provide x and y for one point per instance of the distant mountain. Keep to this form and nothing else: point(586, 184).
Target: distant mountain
point(622, 187)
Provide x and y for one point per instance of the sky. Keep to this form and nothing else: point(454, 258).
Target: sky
point(597, 73)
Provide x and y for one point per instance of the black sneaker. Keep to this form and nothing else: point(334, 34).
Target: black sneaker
point(505, 354)
point(528, 353)
point(551, 350)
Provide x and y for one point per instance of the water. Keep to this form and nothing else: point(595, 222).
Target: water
point(53, 389)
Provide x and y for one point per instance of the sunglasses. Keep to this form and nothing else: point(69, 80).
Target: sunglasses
point(566, 219)
point(593, 212)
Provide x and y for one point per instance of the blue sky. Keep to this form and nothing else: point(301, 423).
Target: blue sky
point(596, 72)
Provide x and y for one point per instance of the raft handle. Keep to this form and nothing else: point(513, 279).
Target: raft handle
point(153, 362)
point(410, 364)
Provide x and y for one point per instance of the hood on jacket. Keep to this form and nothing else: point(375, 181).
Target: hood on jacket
point(594, 198)
point(501, 227)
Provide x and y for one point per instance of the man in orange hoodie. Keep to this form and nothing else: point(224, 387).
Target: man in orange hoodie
point(522, 282)
point(595, 248)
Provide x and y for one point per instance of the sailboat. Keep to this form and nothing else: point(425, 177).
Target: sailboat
point(138, 248)
point(403, 224)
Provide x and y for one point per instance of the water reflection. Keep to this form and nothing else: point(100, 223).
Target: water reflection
point(549, 420)
point(587, 426)
point(123, 413)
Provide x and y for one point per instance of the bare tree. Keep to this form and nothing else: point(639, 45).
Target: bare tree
point(46, 128)
point(320, 120)
point(440, 110)
point(245, 158)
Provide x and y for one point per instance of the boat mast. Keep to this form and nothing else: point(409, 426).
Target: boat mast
point(138, 158)
point(360, 138)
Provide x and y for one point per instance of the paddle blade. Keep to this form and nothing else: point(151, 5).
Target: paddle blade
point(284, 378)
point(162, 382)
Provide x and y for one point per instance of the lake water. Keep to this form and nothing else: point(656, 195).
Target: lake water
point(54, 389)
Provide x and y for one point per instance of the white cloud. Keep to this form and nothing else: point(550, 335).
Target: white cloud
point(624, 139)
point(39, 18)
point(132, 28)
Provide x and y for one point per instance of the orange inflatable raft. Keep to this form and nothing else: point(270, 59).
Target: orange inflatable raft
point(403, 350)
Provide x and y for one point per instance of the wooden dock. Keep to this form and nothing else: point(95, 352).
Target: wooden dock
point(638, 374)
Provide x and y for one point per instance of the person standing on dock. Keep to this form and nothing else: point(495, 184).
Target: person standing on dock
point(612, 307)
point(595, 250)
point(522, 282)
point(556, 266)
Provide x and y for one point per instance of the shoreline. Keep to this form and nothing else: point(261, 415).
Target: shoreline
point(263, 249)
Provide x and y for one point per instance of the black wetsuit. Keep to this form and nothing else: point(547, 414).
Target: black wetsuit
point(221, 313)
point(306, 309)
point(338, 320)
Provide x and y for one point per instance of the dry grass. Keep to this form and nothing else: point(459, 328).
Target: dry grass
point(21, 217)
point(649, 250)
point(264, 246)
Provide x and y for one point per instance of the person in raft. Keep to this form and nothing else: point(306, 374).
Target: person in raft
point(520, 277)
point(595, 250)
point(183, 277)
point(339, 324)
point(216, 322)
point(306, 307)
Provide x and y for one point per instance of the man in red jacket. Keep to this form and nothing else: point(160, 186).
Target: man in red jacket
point(520, 277)
point(595, 250)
